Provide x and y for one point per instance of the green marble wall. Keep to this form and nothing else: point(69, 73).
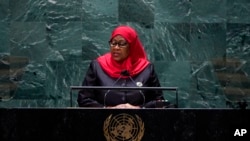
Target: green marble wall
point(200, 46)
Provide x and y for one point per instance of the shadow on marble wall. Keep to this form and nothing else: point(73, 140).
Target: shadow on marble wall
point(200, 46)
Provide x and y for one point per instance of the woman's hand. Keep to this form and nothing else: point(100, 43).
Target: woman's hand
point(125, 106)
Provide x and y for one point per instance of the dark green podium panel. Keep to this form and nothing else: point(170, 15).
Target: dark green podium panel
point(75, 124)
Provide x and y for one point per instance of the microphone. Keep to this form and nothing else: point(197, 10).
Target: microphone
point(105, 95)
point(126, 73)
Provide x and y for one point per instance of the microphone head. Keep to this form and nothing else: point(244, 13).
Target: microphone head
point(125, 73)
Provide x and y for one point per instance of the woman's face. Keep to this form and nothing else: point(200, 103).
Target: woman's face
point(119, 48)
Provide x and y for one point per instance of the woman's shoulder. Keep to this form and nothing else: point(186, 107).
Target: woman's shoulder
point(94, 62)
point(150, 66)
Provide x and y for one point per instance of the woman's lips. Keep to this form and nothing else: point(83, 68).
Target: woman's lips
point(116, 54)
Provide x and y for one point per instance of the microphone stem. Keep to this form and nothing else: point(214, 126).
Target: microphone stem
point(105, 95)
point(142, 94)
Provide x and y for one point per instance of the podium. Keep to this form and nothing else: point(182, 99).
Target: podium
point(89, 124)
point(73, 88)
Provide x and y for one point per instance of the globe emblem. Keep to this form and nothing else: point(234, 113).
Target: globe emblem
point(123, 127)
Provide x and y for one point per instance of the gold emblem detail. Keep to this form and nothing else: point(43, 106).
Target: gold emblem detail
point(123, 127)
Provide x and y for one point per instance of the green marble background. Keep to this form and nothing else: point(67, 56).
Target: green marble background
point(200, 46)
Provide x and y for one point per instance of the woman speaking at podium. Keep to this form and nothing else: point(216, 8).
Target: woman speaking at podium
point(126, 65)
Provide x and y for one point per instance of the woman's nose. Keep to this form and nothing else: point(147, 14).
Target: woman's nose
point(116, 46)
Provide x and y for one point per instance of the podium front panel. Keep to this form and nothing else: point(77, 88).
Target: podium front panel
point(79, 124)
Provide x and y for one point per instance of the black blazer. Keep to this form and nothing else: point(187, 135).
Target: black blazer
point(95, 76)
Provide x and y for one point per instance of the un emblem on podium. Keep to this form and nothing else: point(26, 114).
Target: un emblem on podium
point(123, 127)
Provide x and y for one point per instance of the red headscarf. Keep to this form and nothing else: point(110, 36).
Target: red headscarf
point(134, 63)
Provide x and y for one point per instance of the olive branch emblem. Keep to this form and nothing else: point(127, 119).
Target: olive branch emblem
point(123, 127)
